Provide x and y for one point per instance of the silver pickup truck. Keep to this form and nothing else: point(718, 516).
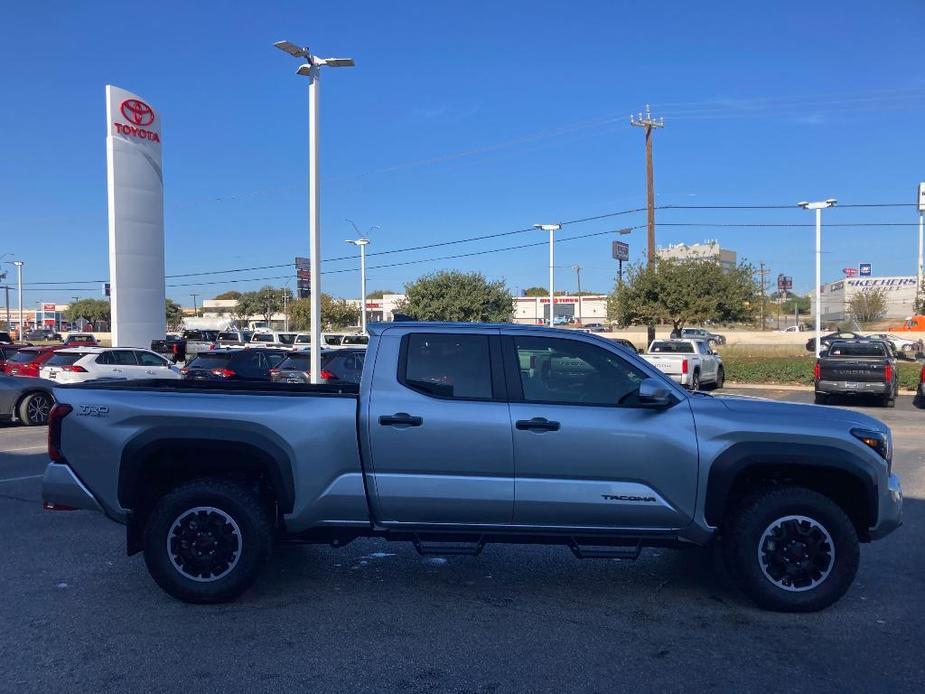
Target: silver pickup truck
point(463, 434)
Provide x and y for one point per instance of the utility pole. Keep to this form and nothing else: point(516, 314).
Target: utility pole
point(762, 273)
point(19, 264)
point(577, 269)
point(648, 124)
point(286, 310)
point(195, 310)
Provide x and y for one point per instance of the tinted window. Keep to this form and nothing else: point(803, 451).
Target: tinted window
point(262, 337)
point(23, 357)
point(857, 349)
point(148, 359)
point(274, 359)
point(346, 366)
point(287, 338)
point(452, 366)
point(333, 339)
point(64, 358)
point(303, 339)
point(124, 357)
point(356, 340)
point(567, 371)
point(673, 347)
point(214, 360)
point(229, 336)
point(296, 362)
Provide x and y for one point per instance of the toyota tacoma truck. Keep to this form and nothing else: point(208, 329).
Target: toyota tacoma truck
point(856, 367)
point(691, 363)
point(459, 435)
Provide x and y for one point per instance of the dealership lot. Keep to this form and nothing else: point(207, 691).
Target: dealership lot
point(373, 616)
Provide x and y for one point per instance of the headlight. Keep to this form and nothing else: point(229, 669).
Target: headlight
point(880, 441)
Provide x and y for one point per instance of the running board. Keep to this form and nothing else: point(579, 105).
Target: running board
point(432, 547)
point(630, 552)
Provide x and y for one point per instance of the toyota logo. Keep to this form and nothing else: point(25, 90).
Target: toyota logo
point(137, 112)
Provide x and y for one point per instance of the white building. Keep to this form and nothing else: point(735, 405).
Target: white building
point(380, 310)
point(534, 310)
point(708, 250)
point(899, 292)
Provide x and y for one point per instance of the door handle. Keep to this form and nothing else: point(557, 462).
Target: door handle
point(537, 424)
point(400, 419)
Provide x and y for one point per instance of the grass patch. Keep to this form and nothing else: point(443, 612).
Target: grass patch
point(795, 370)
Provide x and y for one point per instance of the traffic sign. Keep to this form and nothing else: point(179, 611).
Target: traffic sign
point(864, 269)
point(620, 250)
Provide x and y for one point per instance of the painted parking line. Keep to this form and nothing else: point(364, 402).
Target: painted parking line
point(19, 479)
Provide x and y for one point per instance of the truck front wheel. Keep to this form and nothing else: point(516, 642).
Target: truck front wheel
point(792, 550)
point(206, 540)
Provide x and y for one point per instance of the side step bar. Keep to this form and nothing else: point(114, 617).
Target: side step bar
point(433, 547)
point(630, 552)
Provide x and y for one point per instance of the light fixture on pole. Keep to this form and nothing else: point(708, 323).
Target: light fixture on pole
point(919, 268)
point(818, 206)
point(19, 264)
point(311, 68)
point(552, 229)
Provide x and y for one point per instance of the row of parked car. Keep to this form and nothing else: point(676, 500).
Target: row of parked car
point(182, 347)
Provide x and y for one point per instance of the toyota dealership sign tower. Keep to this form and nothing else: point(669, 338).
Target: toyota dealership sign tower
point(135, 184)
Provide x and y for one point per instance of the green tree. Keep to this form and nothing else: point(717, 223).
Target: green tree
point(227, 296)
point(264, 302)
point(457, 296)
point(536, 291)
point(91, 310)
point(378, 293)
point(173, 314)
point(683, 292)
point(868, 305)
point(335, 313)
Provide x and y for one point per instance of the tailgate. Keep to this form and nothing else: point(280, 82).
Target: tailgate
point(665, 363)
point(858, 370)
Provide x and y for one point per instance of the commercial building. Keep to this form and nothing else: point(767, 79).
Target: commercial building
point(899, 292)
point(534, 310)
point(708, 250)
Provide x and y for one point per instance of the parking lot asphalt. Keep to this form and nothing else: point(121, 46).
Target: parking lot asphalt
point(78, 615)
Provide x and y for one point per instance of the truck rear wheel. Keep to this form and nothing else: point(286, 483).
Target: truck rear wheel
point(206, 540)
point(792, 550)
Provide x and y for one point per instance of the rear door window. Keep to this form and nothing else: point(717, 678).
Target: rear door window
point(23, 357)
point(124, 357)
point(64, 359)
point(447, 365)
point(148, 359)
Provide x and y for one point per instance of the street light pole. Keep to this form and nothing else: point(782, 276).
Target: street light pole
point(311, 69)
point(818, 207)
point(577, 269)
point(362, 242)
point(19, 264)
point(552, 229)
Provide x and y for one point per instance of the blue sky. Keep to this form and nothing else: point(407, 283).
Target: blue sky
point(464, 119)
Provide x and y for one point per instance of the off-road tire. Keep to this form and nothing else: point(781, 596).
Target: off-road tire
point(742, 544)
point(720, 378)
point(34, 409)
point(889, 401)
point(821, 399)
point(254, 532)
point(695, 381)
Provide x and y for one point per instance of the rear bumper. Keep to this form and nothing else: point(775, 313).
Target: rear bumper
point(60, 487)
point(850, 387)
point(891, 510)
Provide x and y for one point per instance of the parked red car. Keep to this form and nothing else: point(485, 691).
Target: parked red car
point(28, 360)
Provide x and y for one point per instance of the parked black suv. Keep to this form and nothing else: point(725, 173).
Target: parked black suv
point(234, 364)
point(337, 366)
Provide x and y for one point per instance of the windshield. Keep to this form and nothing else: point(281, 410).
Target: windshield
point(229, 336)
point(296, 362)
point(356, 340)
point(673, 347)
point(213, 360)
point(262, 337)
point(24, 356)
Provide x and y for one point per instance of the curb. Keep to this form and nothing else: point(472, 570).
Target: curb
point(782, 386)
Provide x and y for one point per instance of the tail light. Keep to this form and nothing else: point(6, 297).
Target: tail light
point(274, 372)
point(173, 347)
point(888, 372)
point(212, 345)
point(224, 373)
point(58, 412)
point(324, 373)
point(817, 371)
point(74, 368)
point(684, 366)
point(922, 375)
point(184, 371)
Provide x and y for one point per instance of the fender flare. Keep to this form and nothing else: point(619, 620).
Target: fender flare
point(749, 455)
point(142, 450)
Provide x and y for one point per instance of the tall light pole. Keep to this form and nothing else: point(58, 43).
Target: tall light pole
point(362, 241)
point(818, 206)
point(552, 229)
point(921, 203)
point(311, 68)
point(19, 264)
point(577, 269)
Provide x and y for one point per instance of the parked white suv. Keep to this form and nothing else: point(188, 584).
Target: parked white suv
point(89, 363)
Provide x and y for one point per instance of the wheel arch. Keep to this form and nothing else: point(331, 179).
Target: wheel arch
point(836, 473)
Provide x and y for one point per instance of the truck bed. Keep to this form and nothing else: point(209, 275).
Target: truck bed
point(224, 387)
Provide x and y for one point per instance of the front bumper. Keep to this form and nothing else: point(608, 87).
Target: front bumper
point(891, 510)
point(62, 489)
point(851, 387)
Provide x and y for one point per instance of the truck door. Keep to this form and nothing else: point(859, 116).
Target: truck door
point(438, 430)
point(586, 454)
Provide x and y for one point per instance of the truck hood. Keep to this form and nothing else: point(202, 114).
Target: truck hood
point(750, 405)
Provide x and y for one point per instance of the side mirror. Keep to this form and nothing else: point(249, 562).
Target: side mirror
point(655, 394)
point(641, 350)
